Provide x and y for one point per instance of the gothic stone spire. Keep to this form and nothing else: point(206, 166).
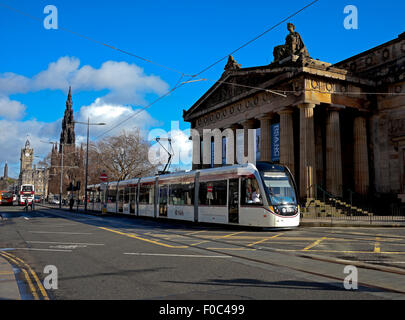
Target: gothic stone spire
point(67, 136)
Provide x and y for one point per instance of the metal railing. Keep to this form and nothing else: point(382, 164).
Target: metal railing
point(353, 206)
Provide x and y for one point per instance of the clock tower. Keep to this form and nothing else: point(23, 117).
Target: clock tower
point(27, 157)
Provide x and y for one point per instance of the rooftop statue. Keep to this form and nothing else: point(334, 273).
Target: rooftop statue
point(293, 46)
point(232, 64)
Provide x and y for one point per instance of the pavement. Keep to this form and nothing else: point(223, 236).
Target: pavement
point(8, 283)
point(355, 223)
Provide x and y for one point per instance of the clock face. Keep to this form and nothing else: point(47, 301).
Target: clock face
point(27, 154)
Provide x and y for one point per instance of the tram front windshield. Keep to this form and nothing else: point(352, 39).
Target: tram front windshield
point(280, 189)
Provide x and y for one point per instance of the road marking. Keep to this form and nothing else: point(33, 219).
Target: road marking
point(66, 243)
point(264, 240)
point(143, 239)
point(201, 242)
point(34, 249)
point(26, 276)
point(176, 255)
point(228, 235)
point(235, 249)
point(196, 232)
point(377, 248)
point(317, 242)
point(53, 232)
point(34, 275)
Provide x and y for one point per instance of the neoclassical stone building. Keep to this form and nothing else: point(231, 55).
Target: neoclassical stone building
point(339, 126)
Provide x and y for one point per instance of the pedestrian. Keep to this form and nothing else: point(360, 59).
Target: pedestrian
point(71, 204)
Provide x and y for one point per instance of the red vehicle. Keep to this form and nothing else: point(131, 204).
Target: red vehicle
point(6, 198)
point(27, 192)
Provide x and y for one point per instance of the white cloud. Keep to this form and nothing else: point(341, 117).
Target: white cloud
point(112, 115)
point(10, 109)
point(127, 83)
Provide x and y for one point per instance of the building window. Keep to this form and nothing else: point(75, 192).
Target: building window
point(213, 193)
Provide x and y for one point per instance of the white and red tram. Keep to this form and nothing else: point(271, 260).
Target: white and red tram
point(261, 195)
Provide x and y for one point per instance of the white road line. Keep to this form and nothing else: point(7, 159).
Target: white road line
point(33, 249)
point(67, 243)
point(175, 255)
point(384, 262)
point(76, 233)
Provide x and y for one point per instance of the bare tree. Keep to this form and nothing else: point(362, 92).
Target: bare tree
point(122, 157)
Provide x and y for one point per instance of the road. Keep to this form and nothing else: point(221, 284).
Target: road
point(129, 258)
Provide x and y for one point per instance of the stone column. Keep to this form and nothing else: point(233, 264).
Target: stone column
point(287, 139)
point(249, 141)
point(307, 151)
point(230, 146)
point(217, 133)
point(333, 153)
point(206, 149)
point(265, 137)
point(195, 137)
point(360, 156)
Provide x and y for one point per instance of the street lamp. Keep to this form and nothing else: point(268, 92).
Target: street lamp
point(87, 155)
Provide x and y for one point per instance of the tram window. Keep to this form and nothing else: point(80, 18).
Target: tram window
point(146, 194)
point(250, 193)
point(213, 193)
point(182, 194)
point(126, 195)
point(121, 195)
point(132, 194)
point(112, 195)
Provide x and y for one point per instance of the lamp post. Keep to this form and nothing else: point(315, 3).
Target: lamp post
point(87, 155)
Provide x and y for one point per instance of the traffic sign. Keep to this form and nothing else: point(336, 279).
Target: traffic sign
point(103, 177)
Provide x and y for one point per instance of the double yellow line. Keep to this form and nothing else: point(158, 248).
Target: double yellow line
point(27, 271)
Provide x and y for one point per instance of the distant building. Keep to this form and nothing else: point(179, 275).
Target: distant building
point(4, 183)
point(30, 174)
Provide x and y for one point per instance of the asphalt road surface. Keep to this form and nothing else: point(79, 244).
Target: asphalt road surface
point(130, 258)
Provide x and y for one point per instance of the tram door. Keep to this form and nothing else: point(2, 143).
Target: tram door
point(132, 200)
point(163, 195)
point(233, 201)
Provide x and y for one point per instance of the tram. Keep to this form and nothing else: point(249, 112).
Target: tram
point(261, 195)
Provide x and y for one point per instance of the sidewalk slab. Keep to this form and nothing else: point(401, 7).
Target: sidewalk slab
point(8, 283)
point(328, 223)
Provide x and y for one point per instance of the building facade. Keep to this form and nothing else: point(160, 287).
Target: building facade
point(336, 126)
point(30, 174)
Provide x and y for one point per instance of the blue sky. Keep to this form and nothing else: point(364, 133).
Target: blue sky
point(184, 35)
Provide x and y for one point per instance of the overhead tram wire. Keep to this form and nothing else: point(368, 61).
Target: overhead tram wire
point(168, 68)
point(32, 17)
point(175, 87)
point(255, 38)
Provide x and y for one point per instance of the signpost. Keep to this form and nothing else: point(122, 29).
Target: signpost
point(104, 178)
